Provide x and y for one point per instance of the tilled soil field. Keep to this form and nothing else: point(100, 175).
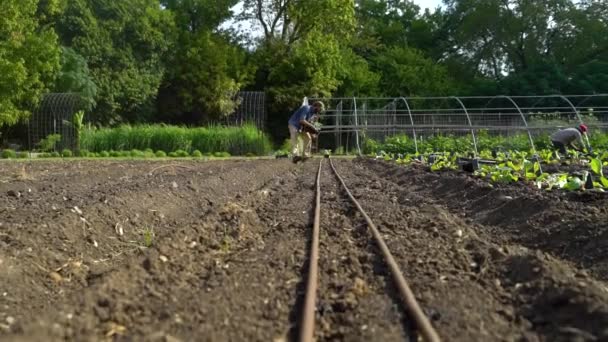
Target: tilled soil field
point(218, 251)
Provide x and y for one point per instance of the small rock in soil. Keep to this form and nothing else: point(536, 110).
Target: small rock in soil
point(13, 193)
point(56, 277)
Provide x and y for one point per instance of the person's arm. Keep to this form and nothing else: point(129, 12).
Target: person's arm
point(300, 115)
point(579, 145)
point(575, 146)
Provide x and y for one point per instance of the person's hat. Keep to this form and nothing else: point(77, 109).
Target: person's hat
point(583, 128)
point(320, 105)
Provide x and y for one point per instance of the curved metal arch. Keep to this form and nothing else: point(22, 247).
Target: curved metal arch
point(50, 116)
point(409, 111)
point(523, 117)
point(470, 123)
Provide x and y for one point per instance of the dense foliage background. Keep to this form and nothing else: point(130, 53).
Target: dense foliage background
point(176, 61)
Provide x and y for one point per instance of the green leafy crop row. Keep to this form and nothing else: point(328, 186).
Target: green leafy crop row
point(245, 140)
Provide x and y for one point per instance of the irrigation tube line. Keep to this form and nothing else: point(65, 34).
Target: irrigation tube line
point(308, 319)
point(409, 300)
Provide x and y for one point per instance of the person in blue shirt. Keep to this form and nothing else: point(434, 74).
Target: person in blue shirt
point(304, 114)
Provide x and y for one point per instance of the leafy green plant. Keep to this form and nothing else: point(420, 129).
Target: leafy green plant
point(78, 123)
point(66, 153)
point(597, 168)
point(148, 236)
point(235, 140)
point(181, 154)
point(160, 154)
point(82, 153)
point(9, 154)
point(197, 154)
point(445, 162)
point(136, 153)
point(48, 144)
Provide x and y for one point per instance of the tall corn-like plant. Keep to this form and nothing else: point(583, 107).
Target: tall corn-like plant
point(78, 124)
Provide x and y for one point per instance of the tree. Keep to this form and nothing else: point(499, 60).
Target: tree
point(29, 59)
point(203, 79)
point(124, 43)
point(504, 36)
point(75, 77)
point(300, 52)
point(407, 72)
point(355, 76)
point(291, 20)
point(207, 70)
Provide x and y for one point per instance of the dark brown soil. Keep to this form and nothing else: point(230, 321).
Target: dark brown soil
point(218, 251)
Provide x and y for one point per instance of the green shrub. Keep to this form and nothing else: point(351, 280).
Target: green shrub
point(114, 154)
point(9, 154)
point(221, 154)
point(66, 153)
point(182, 154)
point(197, 154)
point(55, 155)
point(48, 144)
point(104, 154)
point(160, 154)
point(82, 153)
point(136, 153)
point(22, 155)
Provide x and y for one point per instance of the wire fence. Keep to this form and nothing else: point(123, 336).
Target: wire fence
point(351, 119)
point(251, 109)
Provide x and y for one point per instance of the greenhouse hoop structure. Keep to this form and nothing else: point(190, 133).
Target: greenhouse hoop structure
point(54, 115)
point(350, 120)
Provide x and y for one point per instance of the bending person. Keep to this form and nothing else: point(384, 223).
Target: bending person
point(569, 138)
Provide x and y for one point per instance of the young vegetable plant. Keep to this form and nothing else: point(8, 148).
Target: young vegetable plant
point(597, 168)
point(443, 162)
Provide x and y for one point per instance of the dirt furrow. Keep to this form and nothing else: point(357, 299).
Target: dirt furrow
point(356, 298)
point(203, 218)
point(186, 250)
point(476, 288)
